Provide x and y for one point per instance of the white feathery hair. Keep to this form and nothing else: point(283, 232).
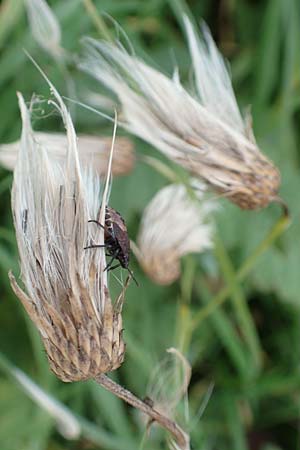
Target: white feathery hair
point(52, 203)
point(173, 225)
point(169, 382)
point(66, 285)
point(44, 26)
point(168, 386)
point(93, 151)
point(206, 135)
point(212, 79)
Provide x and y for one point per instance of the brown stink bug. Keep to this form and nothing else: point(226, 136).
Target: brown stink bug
point(116, 240)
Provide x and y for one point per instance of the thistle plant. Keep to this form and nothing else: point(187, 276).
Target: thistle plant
point(59, 190)
point(66, 287)
point(205, 133)
point(66, 291)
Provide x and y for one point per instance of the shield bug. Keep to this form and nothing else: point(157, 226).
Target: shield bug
point(116, 240)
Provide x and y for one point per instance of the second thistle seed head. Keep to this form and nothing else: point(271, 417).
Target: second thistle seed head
point(205, 132)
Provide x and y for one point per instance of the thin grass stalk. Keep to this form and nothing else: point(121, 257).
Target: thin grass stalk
point(188, 275)
point(184, 328)
point(235, 424)
point(97, 20)
point(227, 334)
point(184, 331)
point(280, 226)
point(240, 304)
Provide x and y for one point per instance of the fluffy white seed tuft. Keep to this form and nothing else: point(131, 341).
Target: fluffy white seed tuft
point(169, 382)
point(168, 386)
point(44, 26)
point(173, 225)
point(212, 78)
point(52, 203)
point(206, 135)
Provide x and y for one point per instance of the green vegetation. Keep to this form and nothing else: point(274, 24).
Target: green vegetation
point(235, 312)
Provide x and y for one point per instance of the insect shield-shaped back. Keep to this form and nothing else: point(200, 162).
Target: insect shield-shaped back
point(116, 236)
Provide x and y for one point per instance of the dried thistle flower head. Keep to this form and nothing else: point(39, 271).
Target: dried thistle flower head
point(206, 134)
point(173, 225)
point(44, 26)
point(66, 287)
point(169, 382)
point(168, 386)
point(93, 152)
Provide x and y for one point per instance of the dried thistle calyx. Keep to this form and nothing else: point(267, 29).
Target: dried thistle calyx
point(79, 346)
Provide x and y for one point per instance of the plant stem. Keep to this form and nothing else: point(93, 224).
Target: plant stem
point(227, 334)
point(97, 19)
point(181, 437)
point(240, 304)
point(220, 298)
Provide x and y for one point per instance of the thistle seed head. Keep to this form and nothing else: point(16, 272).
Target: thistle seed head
point(93, 152)
point(173, 225)
point(65, 287)
point(205, 133)
point(169, 382)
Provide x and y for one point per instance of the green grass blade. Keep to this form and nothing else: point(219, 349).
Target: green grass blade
point(239, 302)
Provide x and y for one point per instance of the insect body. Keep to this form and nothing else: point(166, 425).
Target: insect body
point(116, 240)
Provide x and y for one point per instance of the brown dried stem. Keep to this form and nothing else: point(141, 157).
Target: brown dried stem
point(181, 437)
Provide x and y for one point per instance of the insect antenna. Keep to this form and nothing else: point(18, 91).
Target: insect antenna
point(95, 246)
point(98, 223)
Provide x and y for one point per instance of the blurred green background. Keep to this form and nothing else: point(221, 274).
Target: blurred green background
point(245, 353)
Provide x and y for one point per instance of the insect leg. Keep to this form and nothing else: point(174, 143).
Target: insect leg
point(113, 267)
point(115, 254)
